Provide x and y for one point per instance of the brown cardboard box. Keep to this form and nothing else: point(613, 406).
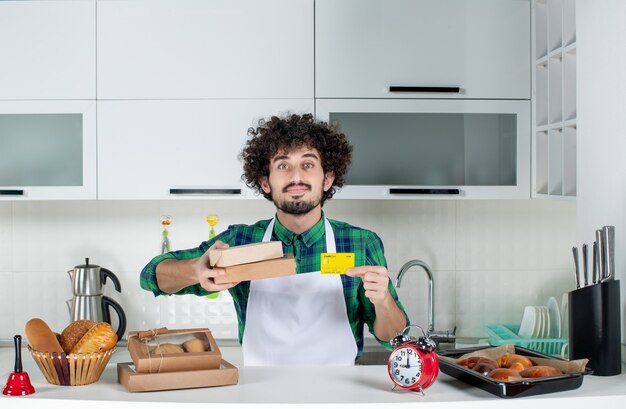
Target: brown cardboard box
point(276, 267)
point(247, 253)
point(226, 374)
point(146, 360)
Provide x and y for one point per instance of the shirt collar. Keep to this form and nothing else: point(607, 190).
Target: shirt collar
point(309, 237)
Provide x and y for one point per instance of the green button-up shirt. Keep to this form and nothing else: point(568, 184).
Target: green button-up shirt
point(306, 248)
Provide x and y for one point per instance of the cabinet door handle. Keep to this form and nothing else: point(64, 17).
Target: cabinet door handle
point(394, 191)
point(449, 90)
point(205, 191)
point(11, 192)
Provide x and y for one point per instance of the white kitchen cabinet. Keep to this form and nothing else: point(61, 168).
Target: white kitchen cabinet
point(481, 47)
point(48, 49)
point(554, 102)
point(182, 49)
point(47, 150)
point(434, 149)
point(172, 149)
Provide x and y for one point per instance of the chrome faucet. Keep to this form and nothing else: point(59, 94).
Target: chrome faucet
point(431, 289)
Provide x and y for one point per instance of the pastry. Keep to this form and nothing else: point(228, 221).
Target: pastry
point(165, 349)
point(540, 371)
point(195, 345)
point(485, 365)
point(40, 337)
point(73, 333)
point(504, 374)
point(514, 361)
point(100, 338)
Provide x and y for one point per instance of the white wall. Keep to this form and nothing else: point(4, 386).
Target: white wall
point(490, 258)
point(601, 149)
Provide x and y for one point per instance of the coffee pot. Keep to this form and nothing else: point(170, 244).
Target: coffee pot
point(89, 302)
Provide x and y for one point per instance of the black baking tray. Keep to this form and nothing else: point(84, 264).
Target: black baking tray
point(514, 389)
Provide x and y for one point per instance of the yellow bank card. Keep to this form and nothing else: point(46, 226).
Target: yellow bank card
point(336, 263)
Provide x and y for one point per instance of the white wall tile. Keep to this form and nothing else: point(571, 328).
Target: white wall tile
point(475, 249)
point(520, 234)
point(499, 297)
point(409, 229)
point(6, 236)
point(8, 304)
point(41, 294)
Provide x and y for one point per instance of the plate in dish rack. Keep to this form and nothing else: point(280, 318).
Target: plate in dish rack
point(555, 318)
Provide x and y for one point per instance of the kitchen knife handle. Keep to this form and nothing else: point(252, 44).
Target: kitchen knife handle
point(594, 263)
point(585, 269)
point(601, 255)
point(11, 192)
point(399, 191)
point(176, 191)
point(447, 90)
point(576, 269)
point(608, 235)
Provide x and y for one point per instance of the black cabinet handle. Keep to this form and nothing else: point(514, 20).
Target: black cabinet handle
point(394, 191)
point(205, 191)
point(11, 192)
point(449, 90)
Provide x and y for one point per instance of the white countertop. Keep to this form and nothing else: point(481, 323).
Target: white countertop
point(303, 387)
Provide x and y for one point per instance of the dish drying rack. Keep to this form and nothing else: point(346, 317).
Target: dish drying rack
point(507, 334)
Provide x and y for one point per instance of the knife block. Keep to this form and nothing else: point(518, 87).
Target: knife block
point(595, 327)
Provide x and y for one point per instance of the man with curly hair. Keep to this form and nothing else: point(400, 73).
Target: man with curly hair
point(309, 318)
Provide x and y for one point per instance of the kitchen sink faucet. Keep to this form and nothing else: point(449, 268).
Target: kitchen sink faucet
point(437, 336)
point(431, 288)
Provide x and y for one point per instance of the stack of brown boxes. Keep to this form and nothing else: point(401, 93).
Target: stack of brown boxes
point(174, 359)
point(252, 262)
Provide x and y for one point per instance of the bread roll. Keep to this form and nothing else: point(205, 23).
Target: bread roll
point(504, 374)
point(40, 336)
point(195, 345)
point(99, 338)
point(165, 349)
point(469, 362)
point(485, 365)
point(514, 361)
point(540, 371)
point(74, 332)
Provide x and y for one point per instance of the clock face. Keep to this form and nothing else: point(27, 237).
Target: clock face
point(405, 366)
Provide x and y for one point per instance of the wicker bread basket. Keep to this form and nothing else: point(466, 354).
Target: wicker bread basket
point(72, 369)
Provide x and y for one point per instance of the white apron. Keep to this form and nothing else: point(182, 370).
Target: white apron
point(298, 320)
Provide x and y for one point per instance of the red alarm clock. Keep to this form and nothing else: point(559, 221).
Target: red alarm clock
point(413, 364)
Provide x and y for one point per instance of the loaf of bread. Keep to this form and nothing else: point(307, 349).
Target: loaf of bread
point(74, 332)
point(40, 337)
point(540, 371)
point(165, 349)
point(101, 337)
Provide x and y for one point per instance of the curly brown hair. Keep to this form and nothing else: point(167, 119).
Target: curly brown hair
point(287, 134)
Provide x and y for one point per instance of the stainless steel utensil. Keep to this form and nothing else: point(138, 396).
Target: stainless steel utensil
point(576, 270)
point(601, 254)
point(585, 268)
point(594, 276)
point(608, 237)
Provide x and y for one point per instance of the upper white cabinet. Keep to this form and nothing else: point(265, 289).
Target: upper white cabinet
point(47, 150)
point(166, 49)
point(419, 148)
point(365, 47)
point(178, 148)
point(48, 49)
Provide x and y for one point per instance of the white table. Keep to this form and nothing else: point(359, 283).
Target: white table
point(265, 387)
